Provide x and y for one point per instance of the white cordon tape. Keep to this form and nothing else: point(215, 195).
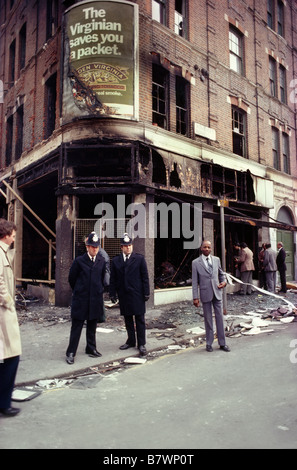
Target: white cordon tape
point(263, 291)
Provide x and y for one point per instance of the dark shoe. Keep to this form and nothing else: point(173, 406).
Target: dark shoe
point(70, 358)
point(126, 346)
point(209, 348)
point(9, 412)
point(142, 350)
point(94, 353)
point(225, 348)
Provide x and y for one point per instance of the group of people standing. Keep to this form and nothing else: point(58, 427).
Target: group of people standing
point(127, 279)
point(270, 262)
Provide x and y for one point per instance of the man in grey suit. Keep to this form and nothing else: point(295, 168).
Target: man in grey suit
point(209, 276)
point(270, 267)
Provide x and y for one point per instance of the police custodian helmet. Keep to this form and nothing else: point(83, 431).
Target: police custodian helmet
point(126, 240)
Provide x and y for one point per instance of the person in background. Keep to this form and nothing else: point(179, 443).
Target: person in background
point(10, 340)
point(281, 266)
point(270, 267)
point(246, 266)
point(262, 278)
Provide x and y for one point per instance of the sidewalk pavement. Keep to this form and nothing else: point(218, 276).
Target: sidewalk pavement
point(44, 345)
point(45, 334)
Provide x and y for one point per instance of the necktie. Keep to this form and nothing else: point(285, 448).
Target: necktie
point(93, 259)
point(209, 264)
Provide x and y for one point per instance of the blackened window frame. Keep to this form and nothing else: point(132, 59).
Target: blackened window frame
point(51, 17)
point(50, 105)
point(19, 132)
point(182, 105)
point(160, 96)
point(22, 46)
point(12, 57)
point(9, 140)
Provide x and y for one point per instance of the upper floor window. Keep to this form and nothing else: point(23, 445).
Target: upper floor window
point(239, 131)
point(275, 148)
point(181, 92)
point(275, 16)
point(286, 156)
point(19, 132)
point(51, 18)
point(159, 10)
point(236, 50)
point(272, 76)
point(270, 13)
point(9, 140)
point(180, 17)
point(50, 105)
point(22, 47)
point(282, 84)
point(11, 77)
point(280, 17)
point(160, 96)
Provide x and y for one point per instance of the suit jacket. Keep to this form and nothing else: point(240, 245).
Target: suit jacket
point(246, 260)
point(269, 262)
point(86, 280)
point(280, 260)
point(207, 282)
point(129, 280)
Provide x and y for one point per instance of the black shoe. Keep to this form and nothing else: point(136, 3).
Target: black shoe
point(9, 412)
point(94, 353)
point(225, 348)
point(209, 348)
point(142, 350)
point(70, 358)
point(126, 346)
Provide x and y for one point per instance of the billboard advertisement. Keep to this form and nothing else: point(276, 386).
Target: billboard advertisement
point(100, 66)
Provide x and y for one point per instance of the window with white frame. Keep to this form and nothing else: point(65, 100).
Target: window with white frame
point(180, 17)
point(236, 50)
point(239, 131)
point(159, 11)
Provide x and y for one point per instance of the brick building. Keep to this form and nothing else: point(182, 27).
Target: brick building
point(167, 103)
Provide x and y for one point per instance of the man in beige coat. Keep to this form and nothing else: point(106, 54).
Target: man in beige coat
point(246, 266)
point(10, 342)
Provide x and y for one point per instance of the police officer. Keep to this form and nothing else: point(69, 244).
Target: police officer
point(86, 278)
point(130, 282)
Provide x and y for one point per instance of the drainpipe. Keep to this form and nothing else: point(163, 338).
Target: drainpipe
point(256, 77)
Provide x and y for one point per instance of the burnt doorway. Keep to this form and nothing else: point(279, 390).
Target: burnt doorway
point(236, 233)
point(41, 198)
